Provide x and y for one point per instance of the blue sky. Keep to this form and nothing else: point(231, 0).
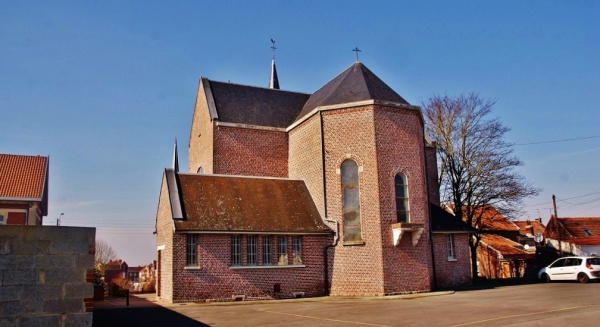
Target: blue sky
point(105, 87)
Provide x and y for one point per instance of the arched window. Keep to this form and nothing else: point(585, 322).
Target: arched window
point(402, 213)
point(351, 202)
point(200, 170)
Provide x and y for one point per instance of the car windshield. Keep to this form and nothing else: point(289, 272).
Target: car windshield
point(593, 261)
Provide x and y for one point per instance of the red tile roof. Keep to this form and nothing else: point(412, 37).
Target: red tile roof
point(493, 220)
point(580, 230)
point(23, 176)
point(531, 227)
point(505, 246)
point(253, 204)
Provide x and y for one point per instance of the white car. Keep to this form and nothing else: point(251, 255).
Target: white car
point(581, 269)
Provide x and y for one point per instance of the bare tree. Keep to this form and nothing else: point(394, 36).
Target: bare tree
point(476, 165)
point(104, 254)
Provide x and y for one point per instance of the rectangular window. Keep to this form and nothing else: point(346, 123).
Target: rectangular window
point(251, 250)
point(1, 220)
point(297, 249)
point(191, 247)
point(267, 250)
point(236, 250)
point(450, 246)
point(282, 250)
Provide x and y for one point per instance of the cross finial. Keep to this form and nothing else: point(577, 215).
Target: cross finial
point(273, 47)
point(357, 50)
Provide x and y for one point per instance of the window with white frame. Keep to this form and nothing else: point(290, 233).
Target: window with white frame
point(297, 249)
point(252, 250)
point(267, 250)
point(282, 250)
point(236, 250)
point(191, 247)
point(450, 246)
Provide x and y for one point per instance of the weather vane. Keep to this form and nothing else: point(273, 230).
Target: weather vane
point(273, 47)
point(357, 50)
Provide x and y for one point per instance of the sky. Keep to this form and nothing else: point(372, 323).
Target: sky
point(104, 88)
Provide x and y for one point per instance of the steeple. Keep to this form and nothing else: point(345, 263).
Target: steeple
point(273, 81)
point(175, 158)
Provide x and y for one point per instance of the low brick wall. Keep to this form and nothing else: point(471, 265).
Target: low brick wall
point(46, 276)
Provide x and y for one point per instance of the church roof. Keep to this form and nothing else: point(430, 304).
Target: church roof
point(357, 83)
point(218, 203)
point(242, 104)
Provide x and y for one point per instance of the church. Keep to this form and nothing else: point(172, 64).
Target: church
point(292, 195)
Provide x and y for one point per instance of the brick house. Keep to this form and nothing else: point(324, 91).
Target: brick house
point(577, 235)
point(115, 270)
point(503, 251)
point(292, 194)
point(23, 189)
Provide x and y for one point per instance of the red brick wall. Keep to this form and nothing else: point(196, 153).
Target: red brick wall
point(164, 238)
point(305, 158)
point(214, 279)
point(452, 273)
point(350, 134)
point(400, 149)
point(250, 152)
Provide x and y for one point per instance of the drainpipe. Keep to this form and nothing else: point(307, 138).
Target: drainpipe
point(430, 216)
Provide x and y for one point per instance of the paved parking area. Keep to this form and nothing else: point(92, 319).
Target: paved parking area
point(555, 304)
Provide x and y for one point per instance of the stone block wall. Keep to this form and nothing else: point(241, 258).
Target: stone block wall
point(46, 276)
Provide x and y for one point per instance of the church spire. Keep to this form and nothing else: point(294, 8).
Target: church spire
point(273, 81)
point(175, 158)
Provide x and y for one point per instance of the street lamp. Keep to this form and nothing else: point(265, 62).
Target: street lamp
point(58, 219)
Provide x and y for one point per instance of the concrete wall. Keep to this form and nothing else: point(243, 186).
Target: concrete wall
point(46, 275)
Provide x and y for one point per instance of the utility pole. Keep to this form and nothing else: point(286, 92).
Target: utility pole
point(557, 226)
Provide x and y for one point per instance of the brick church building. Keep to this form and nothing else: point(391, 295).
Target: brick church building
point(291, 194)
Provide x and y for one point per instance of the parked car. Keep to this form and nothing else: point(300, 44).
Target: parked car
point(582, 269)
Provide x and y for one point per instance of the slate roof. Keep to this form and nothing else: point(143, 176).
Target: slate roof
point(505, 246)
point(250, 105)
point(23, 176)
point(218, 203)
point(574, 230)
point(357, 83)
point(443, 221)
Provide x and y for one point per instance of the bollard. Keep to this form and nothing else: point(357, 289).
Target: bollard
point(127, 297)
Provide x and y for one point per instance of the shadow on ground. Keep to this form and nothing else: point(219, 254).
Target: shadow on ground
point(483, 284)
point(113, 312)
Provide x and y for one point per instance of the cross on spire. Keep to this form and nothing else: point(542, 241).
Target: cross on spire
point(273, 47)
point(357, 50)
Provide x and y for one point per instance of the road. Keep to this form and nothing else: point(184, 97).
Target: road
point(554, 304)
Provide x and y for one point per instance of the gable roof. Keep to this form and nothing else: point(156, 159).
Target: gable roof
point(250, 105)
point(574, 230)
point(505, 246)
point(530, 227)
point(492, 220)
point(218, 203)
point(356, 83)
point(443, 221)
point(24, 177)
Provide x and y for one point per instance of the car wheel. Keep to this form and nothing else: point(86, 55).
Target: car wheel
point(545, 278)
point(583, 278)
